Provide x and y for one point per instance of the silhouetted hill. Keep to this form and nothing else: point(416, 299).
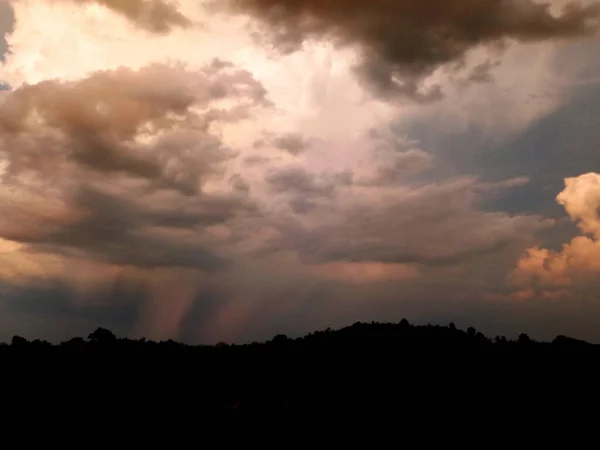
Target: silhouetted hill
point(364, 370)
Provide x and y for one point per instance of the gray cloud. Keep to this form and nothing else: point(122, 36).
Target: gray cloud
point(395, 159)
point(305, 189)
point(239, 184)
point(403, 41)
point(300, 181)
point(397, 167)
point(256, 160)
point(7, 21)
point(118, 230)
point(481, 73)
point(157, 16)
point(432, 225)
point(293, 143)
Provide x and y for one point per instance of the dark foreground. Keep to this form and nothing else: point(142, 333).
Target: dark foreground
point(443, 380)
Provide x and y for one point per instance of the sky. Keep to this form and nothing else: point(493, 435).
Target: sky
point(228, 170)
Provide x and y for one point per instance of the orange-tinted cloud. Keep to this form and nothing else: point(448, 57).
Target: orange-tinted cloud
point(578, 262)
point(363, 272)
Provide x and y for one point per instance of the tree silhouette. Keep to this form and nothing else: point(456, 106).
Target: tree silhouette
point(524, 339)
point(18, 341)
point(102, 336)
point(280, 339)
point(364, 369)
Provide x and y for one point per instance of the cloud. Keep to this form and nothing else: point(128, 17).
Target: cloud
point(293, 143)
point(306, 190)
point(412, 161)
point(7, 19)
point(298, 180)
point(435, 224)
point(363, 272)
point(153, 124)
point(481, 73)
point(124, 174)
point(404, 41)
point(128, 158)
point(116, 231)
point(157, 16)
point(133, 195)
point(394, 159)
point(577, 265)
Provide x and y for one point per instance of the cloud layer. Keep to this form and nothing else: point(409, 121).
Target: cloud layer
point(404, 41)
point(181, 181)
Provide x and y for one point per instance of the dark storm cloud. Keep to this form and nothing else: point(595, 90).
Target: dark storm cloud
point(157, 16)
point(403, 41)
point(114, 230)
point(432, 225)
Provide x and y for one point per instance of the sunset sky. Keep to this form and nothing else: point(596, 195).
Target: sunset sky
point(226, 170)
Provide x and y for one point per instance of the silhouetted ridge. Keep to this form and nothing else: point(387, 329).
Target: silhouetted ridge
point(568, 342)
point(361, 370)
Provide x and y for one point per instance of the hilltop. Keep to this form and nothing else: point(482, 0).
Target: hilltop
point(374, 368)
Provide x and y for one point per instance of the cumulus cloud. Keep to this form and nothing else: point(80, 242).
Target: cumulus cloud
point(153, 124)
point(404, 41)
point(577, 264)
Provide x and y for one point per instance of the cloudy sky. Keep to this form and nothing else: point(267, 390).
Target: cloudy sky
point(225, 170)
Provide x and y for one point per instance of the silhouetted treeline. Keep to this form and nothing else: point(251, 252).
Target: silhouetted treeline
point(440, 374)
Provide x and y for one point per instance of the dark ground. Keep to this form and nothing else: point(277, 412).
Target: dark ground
point(432, 383)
